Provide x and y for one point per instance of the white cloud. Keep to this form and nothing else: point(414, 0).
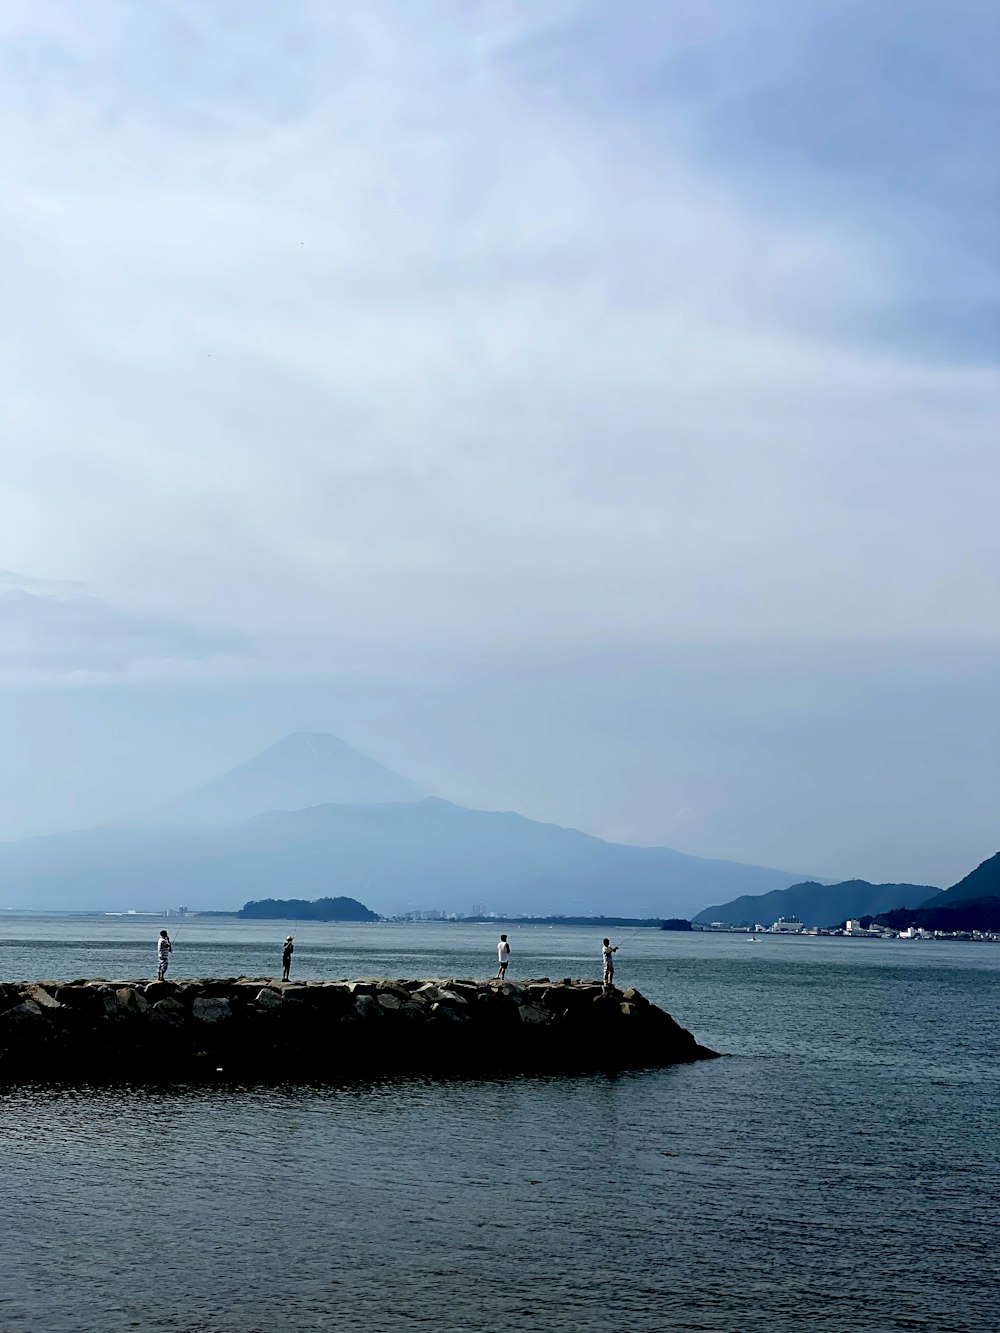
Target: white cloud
point(336, 329)
point(57, 631)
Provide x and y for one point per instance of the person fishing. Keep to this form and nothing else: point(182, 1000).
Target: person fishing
point(503, 957)
point(607, 949)
point(286, 958)
point(163, 951)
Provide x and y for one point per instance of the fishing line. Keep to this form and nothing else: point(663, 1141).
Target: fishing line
point(632, 936)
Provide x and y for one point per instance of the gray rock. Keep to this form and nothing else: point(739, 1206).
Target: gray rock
point(41, 997)
point(158, 990)
point(367, 1007)
point(27, 1012)
point(389, 1001)
point(211, 1009)
point(169, 1011)
point(269, 1000)
point(76, 996)
point(529, 1014)
point(468, 990)
point(132, 1001)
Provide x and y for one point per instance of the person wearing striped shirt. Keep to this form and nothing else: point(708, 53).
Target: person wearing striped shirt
point(163, 951)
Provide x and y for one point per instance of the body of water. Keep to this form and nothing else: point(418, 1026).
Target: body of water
point(837, 1171)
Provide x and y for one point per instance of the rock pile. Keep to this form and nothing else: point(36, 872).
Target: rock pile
point(256, 1028)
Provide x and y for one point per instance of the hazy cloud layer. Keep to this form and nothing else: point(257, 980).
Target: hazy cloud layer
point(351, 343)
point(56, 629)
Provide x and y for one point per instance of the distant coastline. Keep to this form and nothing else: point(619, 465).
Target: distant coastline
point(850, 930)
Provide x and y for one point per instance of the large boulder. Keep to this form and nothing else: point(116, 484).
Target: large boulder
point(131, 1001)
point(25, 1014)
point(38, 995)
point(366, 1007)
point(211, 1009)
point(530, 1013)
point(168, 1011)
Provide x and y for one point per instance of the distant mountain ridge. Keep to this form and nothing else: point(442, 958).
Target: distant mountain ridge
point(305, 768)
point(971, 904)
point(983, 882)
point(427, 854)
point(271, 829)
point(829, 904)
point(817, 904)
point(964, 915)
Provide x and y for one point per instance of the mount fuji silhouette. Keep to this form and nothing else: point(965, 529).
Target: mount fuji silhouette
point(310, 817)
point(306, 768)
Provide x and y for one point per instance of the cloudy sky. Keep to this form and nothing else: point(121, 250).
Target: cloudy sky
point(585, 409)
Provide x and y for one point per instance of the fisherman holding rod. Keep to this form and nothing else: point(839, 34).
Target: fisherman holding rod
point(163, 951)
point(609, 963)
point(607, 950)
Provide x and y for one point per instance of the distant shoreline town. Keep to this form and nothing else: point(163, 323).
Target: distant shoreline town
point(353, 912)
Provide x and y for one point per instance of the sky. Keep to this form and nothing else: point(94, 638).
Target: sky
point(587, 410)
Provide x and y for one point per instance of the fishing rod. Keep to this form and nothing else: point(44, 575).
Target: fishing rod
point(632, 936)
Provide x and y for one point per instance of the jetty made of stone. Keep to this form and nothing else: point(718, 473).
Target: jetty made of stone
point(254, 1028)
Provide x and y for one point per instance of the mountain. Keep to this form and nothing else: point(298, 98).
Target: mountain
point(971, 904)
point(306, 768)
point(817, 904)
point(965, 914)
point(983, 882)
point(412, 855)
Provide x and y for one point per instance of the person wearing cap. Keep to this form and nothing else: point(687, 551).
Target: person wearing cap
point(286, 958)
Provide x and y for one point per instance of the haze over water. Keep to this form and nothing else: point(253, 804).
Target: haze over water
point(837, 1171)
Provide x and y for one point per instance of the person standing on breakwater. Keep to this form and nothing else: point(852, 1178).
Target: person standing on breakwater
point(503, 957)
point(163, 951)
point(286, 958)
point(607, 949)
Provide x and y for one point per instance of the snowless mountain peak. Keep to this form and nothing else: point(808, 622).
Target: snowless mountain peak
point(302, 769)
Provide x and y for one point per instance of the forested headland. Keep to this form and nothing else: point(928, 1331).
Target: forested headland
point(298, 909)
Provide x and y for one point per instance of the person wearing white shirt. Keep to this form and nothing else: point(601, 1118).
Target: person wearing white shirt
point(607, 949)
point(503, 957)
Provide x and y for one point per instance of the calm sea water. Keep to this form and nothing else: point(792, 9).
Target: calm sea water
point(838, 1171)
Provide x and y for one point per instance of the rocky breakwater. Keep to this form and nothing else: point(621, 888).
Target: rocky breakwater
point(255, 1028)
